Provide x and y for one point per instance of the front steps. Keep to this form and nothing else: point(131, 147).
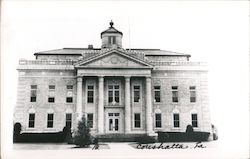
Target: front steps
point(118, 137)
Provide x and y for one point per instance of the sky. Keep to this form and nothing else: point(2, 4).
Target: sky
point(210, 31)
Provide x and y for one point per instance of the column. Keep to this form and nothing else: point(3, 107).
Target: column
point(79, 98)
point(127, 106)
point(149, 120)
point(100, 106)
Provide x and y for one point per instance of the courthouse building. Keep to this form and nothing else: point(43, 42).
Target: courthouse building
point(127, 91)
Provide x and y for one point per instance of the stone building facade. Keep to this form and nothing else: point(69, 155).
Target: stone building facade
point(118, 90)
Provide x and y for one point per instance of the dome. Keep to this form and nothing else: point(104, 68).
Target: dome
point(111, 38)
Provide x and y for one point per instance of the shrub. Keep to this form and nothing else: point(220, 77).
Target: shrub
point(189, 129)
point(82, 136)
point(67, 135)
point(16, 132)
point(182, 136)
point(96, 141)
point(145, 139)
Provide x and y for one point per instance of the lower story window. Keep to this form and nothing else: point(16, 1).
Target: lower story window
point(69, 99)
point(158, 120)
point(31, 120)
point(68, 120)
point(51, 99)
point(137, 120)
point(176, 120)
point(90, 120)
point(194, 120)
point(50, 121)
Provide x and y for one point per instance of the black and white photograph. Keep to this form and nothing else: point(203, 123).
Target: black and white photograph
point(124, 79)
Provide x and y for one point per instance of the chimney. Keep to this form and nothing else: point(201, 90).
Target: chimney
point(90, 47)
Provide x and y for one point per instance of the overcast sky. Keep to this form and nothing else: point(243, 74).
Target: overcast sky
point(216, 32)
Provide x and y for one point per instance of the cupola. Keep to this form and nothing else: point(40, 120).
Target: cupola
point(111, 38)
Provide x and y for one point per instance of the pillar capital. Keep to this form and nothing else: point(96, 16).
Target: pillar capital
point(79, 78)
point(148, 77)
point(127, 78)
point(101, 78)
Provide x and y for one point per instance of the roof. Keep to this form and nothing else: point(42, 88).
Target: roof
point(81, 51)
point(111, 29)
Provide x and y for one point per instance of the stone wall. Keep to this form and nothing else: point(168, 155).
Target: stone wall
point(164, 78)
point(41, 106)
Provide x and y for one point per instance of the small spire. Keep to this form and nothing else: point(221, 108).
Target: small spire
point(111, 24)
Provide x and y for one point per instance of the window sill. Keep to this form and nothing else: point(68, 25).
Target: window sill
point(114, 106)
point(158, 103)
point(160, 128)
point(134, 128)
point(70, 103)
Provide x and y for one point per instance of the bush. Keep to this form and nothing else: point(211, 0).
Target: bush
point(189, 129)
point(96, 141)
point(82, 137)
point(16, 132)
point(182, 136)
point(145, 139)
point(49, 137)
point(67, 135)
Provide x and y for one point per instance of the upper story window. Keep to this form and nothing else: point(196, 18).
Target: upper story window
point(33, 93)
point(192, 90)
point(111, 40)
point(69, 98)
point(113, 94)
point(51, 98)
point(90, 94)
point(175, 94)
point(157, 93)
point(137, 93)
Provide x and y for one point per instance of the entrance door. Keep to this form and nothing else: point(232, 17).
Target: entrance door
point(113, 122)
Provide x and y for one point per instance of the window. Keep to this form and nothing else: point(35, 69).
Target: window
point(69, 98)
point(192, 94)
point(176, 120)
point(137, 120)
point(50, 120)
point(157, 91)
point(68, 120)
point(33, 93)
point(175, 94)
point(113, 94)
point(90, 93)
point(111, 40)
point(90, 120)
point(137, 93)
point(31, 120)
point(51, 98)
point(194, 120)
point(158, 120)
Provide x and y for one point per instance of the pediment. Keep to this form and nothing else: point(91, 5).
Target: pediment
point(114, 60)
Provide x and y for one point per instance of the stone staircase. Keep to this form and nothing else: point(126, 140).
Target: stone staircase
point(118, 137)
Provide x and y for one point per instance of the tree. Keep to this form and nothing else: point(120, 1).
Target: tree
point(82, 136)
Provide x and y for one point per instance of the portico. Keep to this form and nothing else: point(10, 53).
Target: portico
point(117, 119)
